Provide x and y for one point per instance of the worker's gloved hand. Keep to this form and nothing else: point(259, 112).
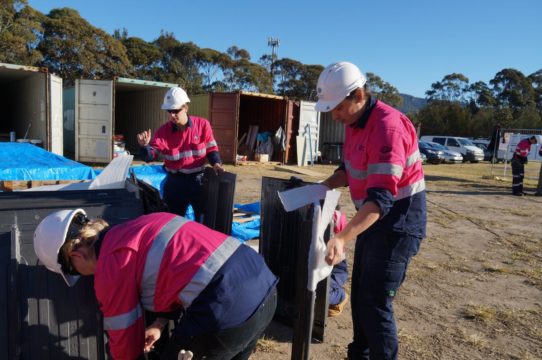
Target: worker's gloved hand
point(185, 355)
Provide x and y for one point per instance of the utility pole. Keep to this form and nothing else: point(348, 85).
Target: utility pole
point(274, 43)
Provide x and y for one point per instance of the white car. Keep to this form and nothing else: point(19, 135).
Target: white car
point(463, 145)
point(449, 156)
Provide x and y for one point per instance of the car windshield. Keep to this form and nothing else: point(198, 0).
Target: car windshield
point(465, 142)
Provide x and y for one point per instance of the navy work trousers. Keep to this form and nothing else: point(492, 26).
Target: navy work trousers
point(380, 263)
point(518, 172)
point(237, 343)
point(180, 190)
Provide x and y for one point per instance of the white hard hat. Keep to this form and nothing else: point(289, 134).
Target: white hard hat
point(335, 83)
point(49, 237)
point(174, 99)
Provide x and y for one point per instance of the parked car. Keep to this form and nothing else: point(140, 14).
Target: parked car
point(449, 156)
point(424, 158)
point(433, 156)
point(460, 144)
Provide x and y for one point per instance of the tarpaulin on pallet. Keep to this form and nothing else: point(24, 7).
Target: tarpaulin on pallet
point(23, 161)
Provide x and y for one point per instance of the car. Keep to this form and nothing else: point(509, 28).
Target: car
point(424, 158)
point(488, 153)
point(449, 156)
point(433, 156)
point(460, 144)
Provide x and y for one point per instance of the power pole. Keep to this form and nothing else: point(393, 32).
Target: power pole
point(274, 43)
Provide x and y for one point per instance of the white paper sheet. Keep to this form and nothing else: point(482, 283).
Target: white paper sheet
point(317, 266)
point(295, 198)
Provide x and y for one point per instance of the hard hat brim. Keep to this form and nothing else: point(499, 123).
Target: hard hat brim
point(49, 237)
point(326, 106)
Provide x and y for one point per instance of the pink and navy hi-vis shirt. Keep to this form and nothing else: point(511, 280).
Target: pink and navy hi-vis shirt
point(184, 151)
point(523, 148)
point(383, 164)
point(163, 263)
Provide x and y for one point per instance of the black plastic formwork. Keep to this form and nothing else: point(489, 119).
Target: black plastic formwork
point(45, 318)
point(284, 243)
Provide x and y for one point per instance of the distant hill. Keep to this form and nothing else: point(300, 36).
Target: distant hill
point(411, 103)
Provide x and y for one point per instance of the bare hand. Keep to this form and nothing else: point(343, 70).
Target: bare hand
point(152, 334)
point(218, 168)
point(185, 355)
point(144, 138)
point(335, 251)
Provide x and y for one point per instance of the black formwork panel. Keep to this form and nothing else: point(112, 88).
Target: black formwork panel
point(218, 191)
point(284, 243)
point(45, 318)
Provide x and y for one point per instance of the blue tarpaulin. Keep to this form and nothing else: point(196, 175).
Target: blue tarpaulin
point(23, 161)
point(250, 229)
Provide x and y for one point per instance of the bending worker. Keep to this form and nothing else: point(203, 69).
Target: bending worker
point(383, 170)
point(518, 164)
point(220, 293)
point(184, 141)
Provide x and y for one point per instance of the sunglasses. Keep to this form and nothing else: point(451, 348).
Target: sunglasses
point(174, 111)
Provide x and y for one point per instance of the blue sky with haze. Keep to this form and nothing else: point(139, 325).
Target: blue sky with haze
point(409, 44)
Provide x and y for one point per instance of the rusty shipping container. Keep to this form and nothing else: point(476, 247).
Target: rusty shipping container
point(232, 114)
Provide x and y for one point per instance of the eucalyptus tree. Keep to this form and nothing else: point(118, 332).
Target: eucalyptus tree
point(20, 33)
point(144, 56)
point(452, 87)
point(73, 48)
point(179, 62)
point(513, 89)
point(383, 90)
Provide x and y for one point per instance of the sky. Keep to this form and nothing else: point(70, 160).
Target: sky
point(410, 44)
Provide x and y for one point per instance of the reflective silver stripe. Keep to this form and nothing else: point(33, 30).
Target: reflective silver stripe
point(412, 159)
point(186, 171)
point(385, 169)
point(402, 193)
point(185, 154)
point(210, 144)
point(410, 190)
point(123, 321)
point(206, 272)
point(355, 173)
point(154, 259)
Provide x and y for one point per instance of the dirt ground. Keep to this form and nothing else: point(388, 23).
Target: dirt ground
point(474, 291)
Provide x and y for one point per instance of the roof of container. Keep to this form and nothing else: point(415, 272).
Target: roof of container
point(13, 71)
point(271, 96)
point(139, 82)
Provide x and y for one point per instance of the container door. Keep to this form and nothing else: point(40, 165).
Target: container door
point(224, 111)
point(308, 133)
point(55, 137)
point(93, 120)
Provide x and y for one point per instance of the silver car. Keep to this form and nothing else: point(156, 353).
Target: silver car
point(449, 156)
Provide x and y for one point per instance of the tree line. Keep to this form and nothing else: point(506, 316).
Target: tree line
point(72, 48)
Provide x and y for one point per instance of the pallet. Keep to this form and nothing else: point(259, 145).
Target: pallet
point(15, 185)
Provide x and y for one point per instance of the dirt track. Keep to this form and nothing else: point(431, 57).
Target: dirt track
point(475, 289)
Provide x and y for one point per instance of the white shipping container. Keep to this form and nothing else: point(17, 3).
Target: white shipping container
point(31, 103)
point(104, 109)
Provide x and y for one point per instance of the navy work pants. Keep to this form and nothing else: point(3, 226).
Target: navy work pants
point(180, 190)
point(518, 172)
point(380, 264)
point(236, 343)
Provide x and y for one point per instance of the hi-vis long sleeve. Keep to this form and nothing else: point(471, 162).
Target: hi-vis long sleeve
point(162, 263)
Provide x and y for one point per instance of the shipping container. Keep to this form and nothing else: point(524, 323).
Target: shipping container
point(31, 103)
point(233, 114)
point(109, 110)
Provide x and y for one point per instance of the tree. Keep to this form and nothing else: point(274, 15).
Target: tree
point(451, 88)
point(213, 64)
point(20, 33)
point(513, 89)
point(144, 57)
point(73, 48)
point(383, 90)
